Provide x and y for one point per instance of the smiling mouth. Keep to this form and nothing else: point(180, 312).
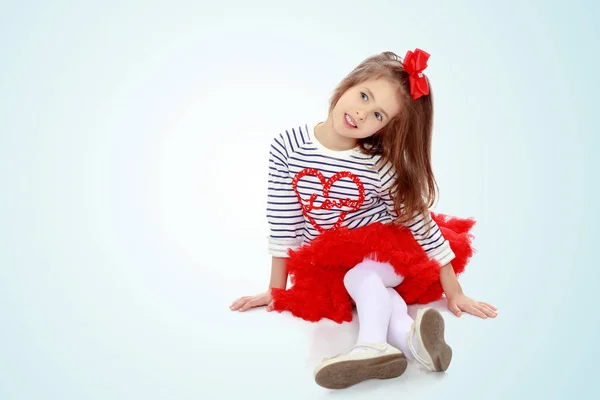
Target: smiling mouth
point(350, 122)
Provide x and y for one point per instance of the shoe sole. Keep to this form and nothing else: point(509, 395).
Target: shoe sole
point(344, 374)
point(432, 335)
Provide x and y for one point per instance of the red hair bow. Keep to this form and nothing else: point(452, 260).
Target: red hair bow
point(414, 64)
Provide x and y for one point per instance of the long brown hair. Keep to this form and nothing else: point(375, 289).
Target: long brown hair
point(405, 141)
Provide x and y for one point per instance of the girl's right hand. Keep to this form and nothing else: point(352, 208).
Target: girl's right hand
point(245, 303)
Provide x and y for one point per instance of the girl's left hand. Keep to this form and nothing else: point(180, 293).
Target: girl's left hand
point(459, 303)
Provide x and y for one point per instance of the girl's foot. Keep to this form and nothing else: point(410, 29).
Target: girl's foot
point(365, 361)
point(426, 341)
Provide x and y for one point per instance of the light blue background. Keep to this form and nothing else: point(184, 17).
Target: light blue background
point(133, 144)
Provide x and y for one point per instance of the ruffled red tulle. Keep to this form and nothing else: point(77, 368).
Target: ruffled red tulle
point(317, 269)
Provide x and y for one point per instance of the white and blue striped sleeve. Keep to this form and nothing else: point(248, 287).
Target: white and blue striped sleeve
point(427, 233)
point(424, 229)
point(284, 213)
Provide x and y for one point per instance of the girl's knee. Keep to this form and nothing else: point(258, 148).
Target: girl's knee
point(357, 276)
point(354, 275)
point(370, 269)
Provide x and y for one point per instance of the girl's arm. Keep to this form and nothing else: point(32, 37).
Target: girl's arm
point(450, 281)
point(279, 273)
point(285, 218)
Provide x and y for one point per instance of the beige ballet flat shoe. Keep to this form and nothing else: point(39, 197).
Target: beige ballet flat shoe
point(431, 349)
point(373, 361)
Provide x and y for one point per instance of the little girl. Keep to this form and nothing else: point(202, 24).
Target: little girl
point(347, 207)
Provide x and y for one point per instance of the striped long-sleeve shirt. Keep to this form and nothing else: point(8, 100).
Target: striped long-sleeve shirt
point(336, 188)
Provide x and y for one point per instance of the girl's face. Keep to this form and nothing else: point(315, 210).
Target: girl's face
point(366, 108)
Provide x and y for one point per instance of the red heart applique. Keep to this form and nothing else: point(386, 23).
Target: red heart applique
point(328, 204)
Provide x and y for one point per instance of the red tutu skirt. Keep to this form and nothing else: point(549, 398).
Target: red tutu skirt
point(317, 268)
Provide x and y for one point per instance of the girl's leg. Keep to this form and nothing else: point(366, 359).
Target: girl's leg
point(368, 283)
point(372, 357)
point(400, 323)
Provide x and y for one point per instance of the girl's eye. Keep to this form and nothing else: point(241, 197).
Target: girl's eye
point(364, 96)
point(378, 116)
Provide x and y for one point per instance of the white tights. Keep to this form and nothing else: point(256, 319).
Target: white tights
point(382, 313)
